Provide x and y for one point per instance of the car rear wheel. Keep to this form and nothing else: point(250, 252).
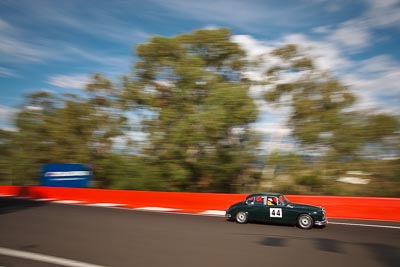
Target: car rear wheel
point(305, 221)
point(241, 217)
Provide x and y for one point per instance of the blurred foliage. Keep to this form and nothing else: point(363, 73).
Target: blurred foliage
point(71, 129)
point(334, 139)
point(190, 98)
point(199, 137)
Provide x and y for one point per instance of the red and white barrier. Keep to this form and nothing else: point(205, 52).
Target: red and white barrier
point(367, 208)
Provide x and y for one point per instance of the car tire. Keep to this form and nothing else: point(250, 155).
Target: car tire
point(241, 217)
point(305, 221)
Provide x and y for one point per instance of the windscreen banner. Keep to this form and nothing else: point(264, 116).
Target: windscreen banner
point(65, 175)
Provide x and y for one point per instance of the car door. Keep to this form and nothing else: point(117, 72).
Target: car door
point(258, 211)
point(276, 212)
point(279, 213)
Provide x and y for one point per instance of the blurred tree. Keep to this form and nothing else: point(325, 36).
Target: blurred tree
point(194, 95)
point(325, 122)
point(68, 129)
point(200, 137)
point(323, 117)
point(6, 176)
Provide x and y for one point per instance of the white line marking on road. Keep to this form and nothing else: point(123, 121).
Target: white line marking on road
point(156, 209)
point(106, 205)
point(366, 225)
point(213, 212)
point(45, 258)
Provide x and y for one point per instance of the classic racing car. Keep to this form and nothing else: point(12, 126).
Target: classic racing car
point(276, 209)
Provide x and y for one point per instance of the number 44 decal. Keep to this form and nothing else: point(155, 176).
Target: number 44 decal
point(275, 212)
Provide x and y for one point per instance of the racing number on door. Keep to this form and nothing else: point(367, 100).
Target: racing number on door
point(275, 212)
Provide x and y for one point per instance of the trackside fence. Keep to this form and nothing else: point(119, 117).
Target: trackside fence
point(366, 208)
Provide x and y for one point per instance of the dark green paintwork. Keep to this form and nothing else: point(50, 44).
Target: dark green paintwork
point(285, 212)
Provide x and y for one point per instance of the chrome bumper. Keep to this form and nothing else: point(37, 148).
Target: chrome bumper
point(321, 223)
point(228, 216)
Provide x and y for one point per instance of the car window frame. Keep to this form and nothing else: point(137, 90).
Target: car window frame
point(248, 198)
point(262, 203)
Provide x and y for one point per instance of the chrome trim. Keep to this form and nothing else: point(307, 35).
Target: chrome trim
point(321, 223)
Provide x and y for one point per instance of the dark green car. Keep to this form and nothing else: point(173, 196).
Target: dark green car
point(276, 209)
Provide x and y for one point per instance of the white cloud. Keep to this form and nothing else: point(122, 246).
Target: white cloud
point(75, 81)
point(376, 83)
point(322, 29)
point(12, 49)
point(102, 22)
point(357, 33)
point(113, 63)
point(327, 56)
point(352, 36)
point(382, 13)
point(5, 72)
point(6, 112)
point(383, 3)
point(379, 94)
point(226, 11)
point(254, 16)
point(378, 64)
point(5, 26)
point(15, 47)
point(113, 30)
point(253, 47)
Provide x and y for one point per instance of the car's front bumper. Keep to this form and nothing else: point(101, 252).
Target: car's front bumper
point(228, 216)
point(321, 223)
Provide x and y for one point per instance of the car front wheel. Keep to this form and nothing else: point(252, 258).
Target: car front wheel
point(241, 217)
point(305, 221)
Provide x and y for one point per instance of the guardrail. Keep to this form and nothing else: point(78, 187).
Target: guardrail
point(366, 208)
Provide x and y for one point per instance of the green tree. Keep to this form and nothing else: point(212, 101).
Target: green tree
point(200, 137)
point(325, 122)
point(67, 129)
point(6, 176)
point(321, 116)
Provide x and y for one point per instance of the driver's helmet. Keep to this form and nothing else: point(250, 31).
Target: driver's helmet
point(270, 201)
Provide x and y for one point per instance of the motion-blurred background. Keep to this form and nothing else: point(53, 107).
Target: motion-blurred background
point(300, 97)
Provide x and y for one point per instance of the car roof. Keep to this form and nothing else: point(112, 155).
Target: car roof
point(265, 194)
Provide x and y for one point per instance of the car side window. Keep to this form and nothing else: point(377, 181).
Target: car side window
point(250, 200)
point(281, 201)
point(259, 200)
point(272, 201)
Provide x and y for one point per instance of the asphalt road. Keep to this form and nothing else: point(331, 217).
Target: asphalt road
point(118, 237)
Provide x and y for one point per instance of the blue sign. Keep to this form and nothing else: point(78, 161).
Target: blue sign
point(65, 175)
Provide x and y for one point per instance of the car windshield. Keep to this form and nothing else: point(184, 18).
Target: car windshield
point(283, 200)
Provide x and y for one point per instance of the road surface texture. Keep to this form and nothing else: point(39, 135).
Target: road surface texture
point(120, 237)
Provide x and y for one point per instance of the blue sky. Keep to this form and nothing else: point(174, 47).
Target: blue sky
point(53, 45)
